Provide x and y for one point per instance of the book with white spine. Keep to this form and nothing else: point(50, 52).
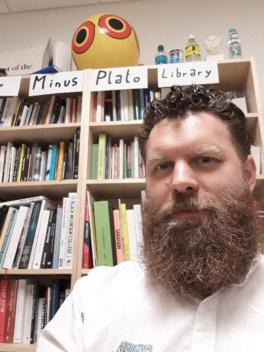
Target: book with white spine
point(69, 233)
point(20, 311)
point(41, 239)
point(15, 237)
point(28, 312)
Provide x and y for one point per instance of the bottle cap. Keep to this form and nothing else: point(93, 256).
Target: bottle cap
point(160, 47)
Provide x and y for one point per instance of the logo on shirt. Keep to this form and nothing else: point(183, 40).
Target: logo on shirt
point(130, 347)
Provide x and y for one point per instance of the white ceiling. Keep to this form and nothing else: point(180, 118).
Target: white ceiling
point(10, 6)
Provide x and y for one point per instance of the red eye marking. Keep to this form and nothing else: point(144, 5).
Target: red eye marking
point(115, 26)
point(83, 37)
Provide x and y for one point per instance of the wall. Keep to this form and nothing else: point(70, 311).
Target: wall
point(167, 21)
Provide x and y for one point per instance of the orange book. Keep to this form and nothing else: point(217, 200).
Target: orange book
point(118, 236)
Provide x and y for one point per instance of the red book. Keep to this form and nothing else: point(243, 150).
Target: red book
point(87, 247)
point(10, 311)
point(3, 304)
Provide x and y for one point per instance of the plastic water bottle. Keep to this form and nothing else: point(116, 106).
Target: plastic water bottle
point(192, 50)
point(161, 57)
point(234, 46)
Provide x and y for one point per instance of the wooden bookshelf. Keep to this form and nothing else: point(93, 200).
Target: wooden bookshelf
point(238, 75)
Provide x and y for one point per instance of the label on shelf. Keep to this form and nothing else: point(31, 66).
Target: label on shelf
point(62, 82)
point(187, 73)
point(116, 78)
point(9, 86)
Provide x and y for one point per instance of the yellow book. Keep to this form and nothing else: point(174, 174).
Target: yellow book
point(60, 161)
point(125, 233)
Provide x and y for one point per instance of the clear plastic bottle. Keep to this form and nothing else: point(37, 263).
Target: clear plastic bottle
point(192, 50)
point(161, 56)
point(234, 45)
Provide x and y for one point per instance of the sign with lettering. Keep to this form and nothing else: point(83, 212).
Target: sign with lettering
point(187, 73)
point(119, 78)
point(62, 82)
point(9, 86)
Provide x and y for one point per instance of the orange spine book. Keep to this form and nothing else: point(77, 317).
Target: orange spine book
point(118, 236)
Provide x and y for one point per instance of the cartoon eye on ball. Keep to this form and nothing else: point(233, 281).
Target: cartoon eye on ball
point(105, 40)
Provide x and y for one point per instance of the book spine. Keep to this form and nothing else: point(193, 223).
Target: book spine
point(3, 307)
point(101, 156)
point(103, 233)
point(20, 311)
point(11, 311)
point(68, 254)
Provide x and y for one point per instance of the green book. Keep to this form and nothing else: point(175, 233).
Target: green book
point(101, 156)
point(94, 161)
point(103, 233)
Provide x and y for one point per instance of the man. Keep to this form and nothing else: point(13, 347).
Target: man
point(201, 285)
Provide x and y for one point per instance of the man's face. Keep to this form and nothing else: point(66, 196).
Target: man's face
point(198, 222)
point(193, 154)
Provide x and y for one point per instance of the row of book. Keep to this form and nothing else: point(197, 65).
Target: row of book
point(121, 105)
point(16, 111)
point(114, 229)
point(26, 308)
point(37, 233)
point(116, 159)
point(40, 163)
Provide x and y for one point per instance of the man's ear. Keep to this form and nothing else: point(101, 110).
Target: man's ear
point(250, 168)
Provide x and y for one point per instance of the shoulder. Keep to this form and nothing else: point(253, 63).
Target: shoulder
point(102, 279)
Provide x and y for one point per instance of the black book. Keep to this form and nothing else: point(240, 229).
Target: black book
point(24, 261)
point(47, 255)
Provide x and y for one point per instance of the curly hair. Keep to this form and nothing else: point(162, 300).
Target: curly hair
point(181, 100)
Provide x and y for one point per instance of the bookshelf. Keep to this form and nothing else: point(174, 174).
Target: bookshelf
point(234, 75)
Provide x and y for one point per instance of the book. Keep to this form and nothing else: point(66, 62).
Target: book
point(118, 236)
point(45, 204)
point(25, 256)
point(41, 239)
point(90, 201)
point(87, 261)
point(3, 307)
point(94, 160)
point(125, 234)
point(103, 233)
point(69, 233)
point(101, 156)
point(28, 312)
point(15, 237)
point(10, 311)
point(7, 231)
point(20, 311)
point(56, 250)
point(47, 254)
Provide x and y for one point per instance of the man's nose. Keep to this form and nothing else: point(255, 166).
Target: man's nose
point(184, 179)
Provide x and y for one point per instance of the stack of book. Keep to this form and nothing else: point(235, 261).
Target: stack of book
point(15, 111)
point(22, 162)
point(116, 231)
point(37, 233)
point(27, 307)
point(116, 159)
point(121, 105)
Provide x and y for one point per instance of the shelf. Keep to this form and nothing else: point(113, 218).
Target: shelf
point(38, 272)
point(119, 188)
point(116, 128)
point(10, 347)
point(42, 134)
point(50, 189)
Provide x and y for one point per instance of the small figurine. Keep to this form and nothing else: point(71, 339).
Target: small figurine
point(212, 45)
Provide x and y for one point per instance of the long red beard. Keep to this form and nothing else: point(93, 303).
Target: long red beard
point(199, 257)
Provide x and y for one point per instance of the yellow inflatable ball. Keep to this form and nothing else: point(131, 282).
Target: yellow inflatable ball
point(105, 40)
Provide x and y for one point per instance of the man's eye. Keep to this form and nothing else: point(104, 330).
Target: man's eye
point(163, 166)
point(206, 160)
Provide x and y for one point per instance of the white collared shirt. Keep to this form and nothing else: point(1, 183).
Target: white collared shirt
point(115, 310)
